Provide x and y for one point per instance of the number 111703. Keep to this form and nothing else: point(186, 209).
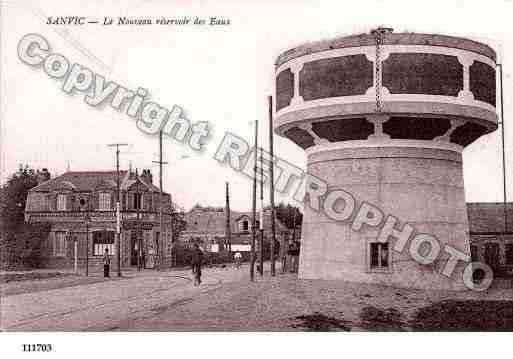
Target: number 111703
point(37, 347)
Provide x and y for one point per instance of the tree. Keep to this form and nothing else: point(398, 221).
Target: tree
point(14, 196)
point(288, 215)
point(20, 242)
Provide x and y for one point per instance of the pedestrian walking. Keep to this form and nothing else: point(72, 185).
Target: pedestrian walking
point(106, 263)
point(196, 263)
point(238, 259)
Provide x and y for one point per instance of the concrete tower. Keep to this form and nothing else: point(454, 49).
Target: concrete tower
point(385, 117)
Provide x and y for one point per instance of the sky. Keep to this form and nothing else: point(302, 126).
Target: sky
point(220, 74)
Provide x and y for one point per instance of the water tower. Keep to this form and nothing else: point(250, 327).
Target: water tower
point(385, 116)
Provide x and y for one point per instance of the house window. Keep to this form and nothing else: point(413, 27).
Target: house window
point(102, 240)
point(245, 225)
point(379, 255)
point(59, 245)
point(137, 200)
point(104, 201)
point(61, 202)
point(509, 254)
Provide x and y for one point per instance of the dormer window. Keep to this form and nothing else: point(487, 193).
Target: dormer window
point(243, 224)
point(104, 204)
point(137, 201)
point(61, 202)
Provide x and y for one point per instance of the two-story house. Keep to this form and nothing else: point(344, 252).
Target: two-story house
point(81, 208)
point(207, 226)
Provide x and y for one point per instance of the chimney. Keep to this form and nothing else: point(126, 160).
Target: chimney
point(147, 177)
point(43, 176)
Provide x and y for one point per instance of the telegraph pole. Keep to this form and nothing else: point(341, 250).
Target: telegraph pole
point(503, 155)
point(87, 240)
point(253, 212)
point(261, 212)
point(162, 230)
point(271, 184)
point(118, 208)
point(139, 240)
point(228, 228)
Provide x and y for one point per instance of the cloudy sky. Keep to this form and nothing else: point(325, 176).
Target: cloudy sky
point(218, 74)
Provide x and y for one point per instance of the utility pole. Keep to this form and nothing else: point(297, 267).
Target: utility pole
point(503, 156)
point(228, 228)
point(87, 240)
point(261, 212)
point(138, 206)
point(271, 184)
point(118, 208)
point(294, 225)
point(75, 249)
point(161, 221)
point(253, 225)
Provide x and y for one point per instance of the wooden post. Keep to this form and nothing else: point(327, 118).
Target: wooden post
point(118, 213)
point(75, 264)
point(271, 185)
point(228, 228)
point(503, 156)
point(261, 212)
point(139, 240)
point(253, 212)
point(87, 243)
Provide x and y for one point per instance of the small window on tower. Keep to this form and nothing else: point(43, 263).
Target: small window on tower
point(379, 255)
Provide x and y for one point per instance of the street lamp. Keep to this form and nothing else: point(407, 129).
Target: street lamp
point(138, 203)
point(87, 219)
point(84, 207)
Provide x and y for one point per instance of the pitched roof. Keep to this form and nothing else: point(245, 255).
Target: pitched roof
point(90, 180)
point(200, 220)
point(207, 220)
point(489, 217)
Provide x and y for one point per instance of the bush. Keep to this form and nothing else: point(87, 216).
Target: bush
point(183, 253)
point(26, 247)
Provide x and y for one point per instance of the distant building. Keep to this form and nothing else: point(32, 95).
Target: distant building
point(490, 241)
point(207, 226)
point(76, 203)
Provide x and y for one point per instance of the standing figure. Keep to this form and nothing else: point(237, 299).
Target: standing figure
point(196, 262)
point(106, 263)
point(238, 259)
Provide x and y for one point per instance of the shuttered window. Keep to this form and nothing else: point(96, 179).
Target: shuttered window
point(101, 241)
point(61, 202)
point(59, 244)
point(104, 201)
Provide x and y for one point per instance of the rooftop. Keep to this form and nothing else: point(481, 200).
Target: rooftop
point(83, 181)
point(406, 38)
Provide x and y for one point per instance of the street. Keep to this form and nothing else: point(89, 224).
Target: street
point(102, 305)
point(228, 301)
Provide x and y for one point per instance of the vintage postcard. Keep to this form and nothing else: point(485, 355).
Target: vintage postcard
point(171, 168)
